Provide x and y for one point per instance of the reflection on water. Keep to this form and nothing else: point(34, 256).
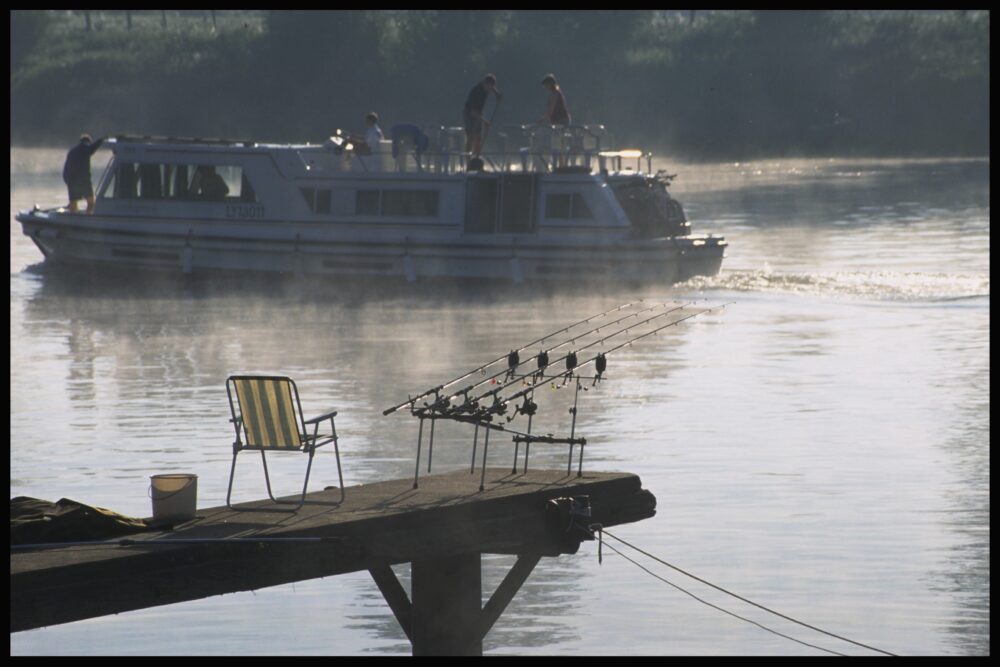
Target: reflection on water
point(821, 446)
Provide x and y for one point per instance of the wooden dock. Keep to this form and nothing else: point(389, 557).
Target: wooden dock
point(440, 528)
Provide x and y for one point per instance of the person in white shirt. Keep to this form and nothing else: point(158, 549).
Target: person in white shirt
point(373, 135)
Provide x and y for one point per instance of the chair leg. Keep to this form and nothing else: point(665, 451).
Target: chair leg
point(305, 485)
point(340, 473)
point(232, 472)
point(267, 477)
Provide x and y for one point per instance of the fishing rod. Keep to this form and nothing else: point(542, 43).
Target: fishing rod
point(543, 358)
point(571, 363)
point(513, 358)
point(414, 399)
point(597, 359)
point(499, 406)
point(471, 410)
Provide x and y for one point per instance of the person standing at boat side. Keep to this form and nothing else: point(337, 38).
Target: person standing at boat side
point(373, 135)
point(369, 143)
point(557, 113)
point(76, 173)
point(472, 114)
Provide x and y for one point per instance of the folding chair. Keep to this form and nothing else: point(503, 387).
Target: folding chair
point(270, 418)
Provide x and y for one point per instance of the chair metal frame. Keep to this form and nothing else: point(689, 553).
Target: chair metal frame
point(306, 442)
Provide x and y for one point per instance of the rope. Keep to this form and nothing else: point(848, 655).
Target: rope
point(725, 611)
point(739, 597)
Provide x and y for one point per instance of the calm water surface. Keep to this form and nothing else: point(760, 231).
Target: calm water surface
point(821, 446)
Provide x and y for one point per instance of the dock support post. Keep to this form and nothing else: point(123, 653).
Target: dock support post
point(446, 615)
point(447, 600)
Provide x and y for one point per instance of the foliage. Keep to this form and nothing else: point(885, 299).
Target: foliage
point(720, 84)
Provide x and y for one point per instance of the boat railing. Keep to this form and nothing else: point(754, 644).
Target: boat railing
point(534, 148)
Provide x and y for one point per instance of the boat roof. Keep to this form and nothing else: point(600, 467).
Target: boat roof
point(146, 139)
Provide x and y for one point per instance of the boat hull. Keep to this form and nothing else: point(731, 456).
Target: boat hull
point(189, 247)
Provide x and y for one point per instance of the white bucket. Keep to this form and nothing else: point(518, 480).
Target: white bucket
point(174, 496)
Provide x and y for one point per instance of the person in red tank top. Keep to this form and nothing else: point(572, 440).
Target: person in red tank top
point(557, 112)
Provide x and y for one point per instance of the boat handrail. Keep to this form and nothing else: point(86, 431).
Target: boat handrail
point(452, 162)
point(526, 148)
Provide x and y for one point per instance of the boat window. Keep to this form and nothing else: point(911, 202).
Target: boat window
point(580, 208)
point(481, 194)
point(180, 183)
point(110, 183)
point(124, 186)
point(310, 196)
point(517, 203)
point(323, 201)
point(410, 202)
point(150, 181)
point(188, 182)
point(567, 206)
point(366, 202)
point(247, 193)
point(232, 176)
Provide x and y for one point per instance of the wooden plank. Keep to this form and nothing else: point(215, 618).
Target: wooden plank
point(376, 525)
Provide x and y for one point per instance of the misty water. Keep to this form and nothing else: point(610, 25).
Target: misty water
point(819, 446)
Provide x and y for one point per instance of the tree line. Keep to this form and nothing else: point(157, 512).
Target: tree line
point(696, 84)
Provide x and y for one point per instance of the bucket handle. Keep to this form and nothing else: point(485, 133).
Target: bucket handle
point(149, 491)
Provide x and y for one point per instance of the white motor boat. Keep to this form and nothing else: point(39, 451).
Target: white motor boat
point(555, 203)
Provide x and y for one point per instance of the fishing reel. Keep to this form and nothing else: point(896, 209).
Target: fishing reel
point(467, 406)
point(440, 404)
point(498, 408)
point(528, 408)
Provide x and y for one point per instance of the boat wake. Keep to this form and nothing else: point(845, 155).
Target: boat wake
point(869, 285)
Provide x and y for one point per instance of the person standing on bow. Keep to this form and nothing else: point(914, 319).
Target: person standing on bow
point(475, 124)
point(76, 173)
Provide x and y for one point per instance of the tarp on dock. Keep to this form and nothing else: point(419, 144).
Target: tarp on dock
point(34, 521)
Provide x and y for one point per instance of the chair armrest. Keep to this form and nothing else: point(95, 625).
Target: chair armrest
point(328, 415)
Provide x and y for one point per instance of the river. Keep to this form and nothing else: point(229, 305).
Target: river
point(820, 446)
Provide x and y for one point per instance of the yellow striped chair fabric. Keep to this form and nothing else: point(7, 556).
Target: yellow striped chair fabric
point(269, 416)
